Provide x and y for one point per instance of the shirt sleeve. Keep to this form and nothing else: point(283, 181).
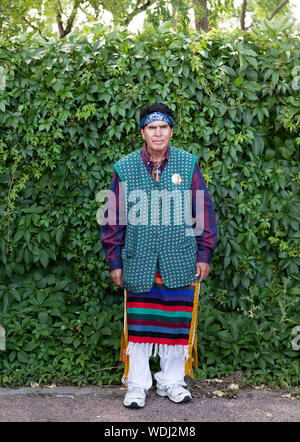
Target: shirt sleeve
point(112, 232)
point(207, 240)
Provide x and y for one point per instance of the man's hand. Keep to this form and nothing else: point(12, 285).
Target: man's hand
point(117, 277)
point(202, 270)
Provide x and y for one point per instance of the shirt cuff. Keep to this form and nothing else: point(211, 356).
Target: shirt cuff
point(115, 264)
point(203, 256)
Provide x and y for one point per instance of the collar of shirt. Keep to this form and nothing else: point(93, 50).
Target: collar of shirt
point(149, 162)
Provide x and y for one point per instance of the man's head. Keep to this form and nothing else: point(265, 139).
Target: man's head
point(156, 125)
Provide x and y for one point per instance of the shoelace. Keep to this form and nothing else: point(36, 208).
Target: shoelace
point(174, 389)
point(137, 390)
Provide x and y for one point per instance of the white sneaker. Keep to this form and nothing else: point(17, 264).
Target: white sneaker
point(175, 393)
point(135, 398)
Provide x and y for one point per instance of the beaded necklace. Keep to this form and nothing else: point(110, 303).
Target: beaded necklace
point(156, 172)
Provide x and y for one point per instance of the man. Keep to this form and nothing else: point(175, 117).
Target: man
point(154, 256)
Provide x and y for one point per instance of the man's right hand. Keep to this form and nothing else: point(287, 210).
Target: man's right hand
point(117, 277)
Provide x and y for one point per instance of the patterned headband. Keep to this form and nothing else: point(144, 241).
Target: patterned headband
point(156, 116)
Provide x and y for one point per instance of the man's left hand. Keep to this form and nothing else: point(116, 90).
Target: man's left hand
point(202, 270)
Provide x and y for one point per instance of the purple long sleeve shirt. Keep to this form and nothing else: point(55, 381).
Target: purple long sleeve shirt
point(113, 234)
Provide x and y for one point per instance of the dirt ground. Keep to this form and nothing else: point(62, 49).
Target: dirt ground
point(218, 400)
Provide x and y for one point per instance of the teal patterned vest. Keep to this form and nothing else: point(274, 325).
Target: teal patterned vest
point(157, 223)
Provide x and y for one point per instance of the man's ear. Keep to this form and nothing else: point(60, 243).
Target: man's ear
point(142, 132)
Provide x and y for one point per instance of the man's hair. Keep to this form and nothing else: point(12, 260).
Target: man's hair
point(156, 107)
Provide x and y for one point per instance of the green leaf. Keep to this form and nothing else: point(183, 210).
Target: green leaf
point(275, 78)
point(239, 80)
point(236, 280)
point(164, 27)
point(19, 234)
point(106, 331)
point(209, 320)
point(245, 281)
point(234, 331)
point(59, 236)
point(236, 247)
point(43, 317)
point(41, 296)
point(44, 258)
point(22, 356)
point(228, 70)
point(252, 61)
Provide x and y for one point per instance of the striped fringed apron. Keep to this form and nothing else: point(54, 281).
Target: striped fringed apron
point(162, 317)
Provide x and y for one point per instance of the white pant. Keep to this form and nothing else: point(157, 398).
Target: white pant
point(172, 364)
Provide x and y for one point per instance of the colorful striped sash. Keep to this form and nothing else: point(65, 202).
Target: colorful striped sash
point(162, 316)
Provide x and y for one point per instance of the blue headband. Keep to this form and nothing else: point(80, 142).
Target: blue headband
point(156, 116)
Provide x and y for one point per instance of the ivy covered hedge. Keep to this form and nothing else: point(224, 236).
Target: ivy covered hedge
point(68, 111)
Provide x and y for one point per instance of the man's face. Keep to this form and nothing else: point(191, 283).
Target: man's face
point(157, 136)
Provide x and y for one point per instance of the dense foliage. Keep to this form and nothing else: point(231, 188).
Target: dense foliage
point(68, 111)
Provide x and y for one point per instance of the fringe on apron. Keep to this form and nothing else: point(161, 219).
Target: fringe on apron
point(190, 350)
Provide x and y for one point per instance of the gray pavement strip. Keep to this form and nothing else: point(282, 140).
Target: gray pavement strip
point(104, 404)
point(64, 391)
